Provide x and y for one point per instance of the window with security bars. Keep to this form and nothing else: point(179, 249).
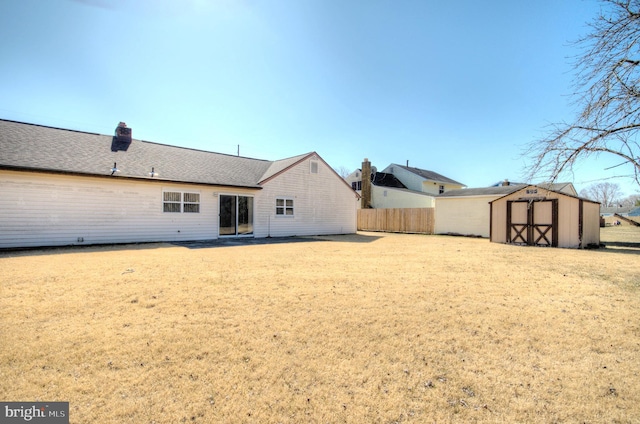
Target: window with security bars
point(191, 203)
point(177, 202)
point(284, 207)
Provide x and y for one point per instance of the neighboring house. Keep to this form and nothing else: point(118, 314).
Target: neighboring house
point(613, 210)
point(617, 215)
point(422, 180)
point(401, 186)
point(64, 187)
point(538, 216)
point(466, 211)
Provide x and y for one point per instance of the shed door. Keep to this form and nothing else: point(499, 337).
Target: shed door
point(532, 222)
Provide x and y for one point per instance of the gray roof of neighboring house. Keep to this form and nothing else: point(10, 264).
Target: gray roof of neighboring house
point(41, 148)
point(428, 175)
point(499, 190)
point(383, 179)
point(618, 209)
point(483, 191)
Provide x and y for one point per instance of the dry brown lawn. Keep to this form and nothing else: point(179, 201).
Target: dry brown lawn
point(375, 328)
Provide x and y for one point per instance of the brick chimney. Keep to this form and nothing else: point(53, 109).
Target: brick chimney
point(123, 133)
point(365, 200)
point(121, 139)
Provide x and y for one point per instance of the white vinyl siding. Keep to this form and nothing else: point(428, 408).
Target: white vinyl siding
point(40, 209)
point(399, 198)
point(468, 215)
point(53, 210)
point(322, 202)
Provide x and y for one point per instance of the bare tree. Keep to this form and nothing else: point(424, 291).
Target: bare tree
point(632, 200)
point(608, 94)
point(608, 194)
point(343, 171)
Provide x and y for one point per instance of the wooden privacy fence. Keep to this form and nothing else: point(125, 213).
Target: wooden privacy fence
point(405, 220)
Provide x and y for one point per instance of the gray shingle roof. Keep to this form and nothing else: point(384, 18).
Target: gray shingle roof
point(429, 175)
point(386, 180)
point(500, 190)
point(41, 148)
point(483, 191)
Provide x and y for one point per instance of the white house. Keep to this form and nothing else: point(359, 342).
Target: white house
point(399, 186)
point(422, 180)
point(65, 187)
point(467, 211)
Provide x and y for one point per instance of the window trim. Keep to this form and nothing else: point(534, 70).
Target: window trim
point(182, 202)
point(285, 207)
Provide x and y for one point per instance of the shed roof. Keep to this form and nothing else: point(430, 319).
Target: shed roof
point(482, 191)
point(34, 147)
point(546, 187)
point(499, 190)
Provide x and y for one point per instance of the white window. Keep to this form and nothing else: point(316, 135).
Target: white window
point(314, 167)
point(441, 189)
point(191, 202)
point(180, 202)
point(284, 206)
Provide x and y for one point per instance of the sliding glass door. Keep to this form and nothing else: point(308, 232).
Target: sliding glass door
point(236, 215)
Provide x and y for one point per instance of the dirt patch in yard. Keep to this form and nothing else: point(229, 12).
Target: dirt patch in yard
point(362, 328)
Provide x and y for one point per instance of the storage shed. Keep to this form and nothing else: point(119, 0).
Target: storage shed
point(466, 211)
point(537, 216)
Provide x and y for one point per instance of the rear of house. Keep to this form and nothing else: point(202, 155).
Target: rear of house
point(64, 187)
point(306, 198)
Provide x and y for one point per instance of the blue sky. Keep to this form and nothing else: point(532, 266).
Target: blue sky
point(454, 87)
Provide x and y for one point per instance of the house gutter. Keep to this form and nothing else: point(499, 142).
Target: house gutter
point(123, 177)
